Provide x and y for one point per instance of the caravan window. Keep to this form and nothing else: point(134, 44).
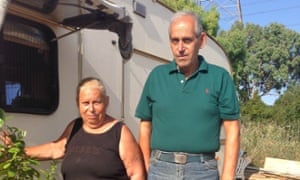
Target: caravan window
point(28, 67)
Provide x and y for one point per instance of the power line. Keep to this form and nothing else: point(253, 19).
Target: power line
point(272, 10)
point(233, 10)
point(260, 2)
point(229, 9)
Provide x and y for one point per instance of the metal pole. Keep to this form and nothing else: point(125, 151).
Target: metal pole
point(240, 11)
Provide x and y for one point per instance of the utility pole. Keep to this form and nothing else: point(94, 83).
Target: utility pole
point(199, 2)
point(230, 10)
point(239, 11)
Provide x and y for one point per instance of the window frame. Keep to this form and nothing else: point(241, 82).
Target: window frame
point(39, 69)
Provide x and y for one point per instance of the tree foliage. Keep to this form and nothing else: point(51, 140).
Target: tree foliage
point(273, 56)
point(285, 113)
point(209, 18)
point(263, 58)
point(256, 110)
point(233, 42)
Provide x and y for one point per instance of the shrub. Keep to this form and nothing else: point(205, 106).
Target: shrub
point(261, 140)
point(14, 163)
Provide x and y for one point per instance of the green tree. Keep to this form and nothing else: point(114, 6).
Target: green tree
point(263, 58)
point(211, 21)
point(255, 110)
point(234, 44)
point(286, 112)
point(273, 56)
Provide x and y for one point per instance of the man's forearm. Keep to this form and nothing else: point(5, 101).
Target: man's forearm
point(144, 141)
point(232, 148)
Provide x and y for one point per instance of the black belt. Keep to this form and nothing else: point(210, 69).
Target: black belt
point(182, 157)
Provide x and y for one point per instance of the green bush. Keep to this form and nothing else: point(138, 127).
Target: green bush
point(272, 131)
point(14, 163)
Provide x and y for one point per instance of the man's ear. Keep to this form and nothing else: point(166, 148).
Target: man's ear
point(202, 37)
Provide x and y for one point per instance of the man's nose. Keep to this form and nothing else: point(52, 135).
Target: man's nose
point(181, 46)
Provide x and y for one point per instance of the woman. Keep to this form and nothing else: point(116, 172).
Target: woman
point(96, 145)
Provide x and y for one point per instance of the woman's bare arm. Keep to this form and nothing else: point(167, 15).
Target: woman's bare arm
point(131, 155)
point(51, 150)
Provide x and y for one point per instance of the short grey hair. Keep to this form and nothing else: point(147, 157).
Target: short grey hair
point(198, 22)
point(87, 80)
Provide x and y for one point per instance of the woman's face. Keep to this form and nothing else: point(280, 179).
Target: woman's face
point(92, 105)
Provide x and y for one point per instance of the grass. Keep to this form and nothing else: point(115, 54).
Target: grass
point(268, 140)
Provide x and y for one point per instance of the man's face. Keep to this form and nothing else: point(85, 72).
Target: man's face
point(184, 42)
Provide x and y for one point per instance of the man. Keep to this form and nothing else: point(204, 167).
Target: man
point(182, 107)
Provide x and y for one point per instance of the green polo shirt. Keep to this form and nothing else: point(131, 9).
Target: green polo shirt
point(186, 114)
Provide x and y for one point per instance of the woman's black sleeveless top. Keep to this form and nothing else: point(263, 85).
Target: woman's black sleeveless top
point(93, 156)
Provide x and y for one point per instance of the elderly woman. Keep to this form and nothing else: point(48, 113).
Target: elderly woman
point(96, 145)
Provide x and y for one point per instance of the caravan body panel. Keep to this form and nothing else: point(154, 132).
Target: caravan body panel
point(92, 52)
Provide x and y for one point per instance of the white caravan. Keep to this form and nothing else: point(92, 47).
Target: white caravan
point(47, 46)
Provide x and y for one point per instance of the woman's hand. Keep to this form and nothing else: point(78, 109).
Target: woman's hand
point(4, 137)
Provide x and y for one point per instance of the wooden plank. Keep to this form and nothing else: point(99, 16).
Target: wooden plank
point(282, 166)
point(254, 173)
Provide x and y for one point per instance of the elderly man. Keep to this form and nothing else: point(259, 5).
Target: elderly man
point(182, 107)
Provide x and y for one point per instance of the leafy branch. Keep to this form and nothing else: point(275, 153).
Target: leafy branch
point(14, 163)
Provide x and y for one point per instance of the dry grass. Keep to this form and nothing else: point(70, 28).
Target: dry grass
point(261, 141)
